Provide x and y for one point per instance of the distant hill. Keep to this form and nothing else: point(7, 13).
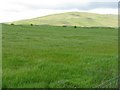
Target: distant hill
point(74, 18)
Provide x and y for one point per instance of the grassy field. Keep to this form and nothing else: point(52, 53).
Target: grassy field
point(74, 18)
point(0, 56)
point(58, 57)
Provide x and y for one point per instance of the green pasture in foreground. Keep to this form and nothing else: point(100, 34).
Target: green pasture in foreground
point(58, 57)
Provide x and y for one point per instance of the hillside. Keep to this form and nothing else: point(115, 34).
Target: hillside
point(74, 18)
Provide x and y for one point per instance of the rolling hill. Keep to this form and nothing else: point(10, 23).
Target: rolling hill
point(74, 18)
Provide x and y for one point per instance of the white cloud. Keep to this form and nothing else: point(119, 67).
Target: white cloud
point(104, 11)
point(11, 10)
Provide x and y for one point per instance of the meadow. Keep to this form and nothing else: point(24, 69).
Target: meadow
point(58, 57)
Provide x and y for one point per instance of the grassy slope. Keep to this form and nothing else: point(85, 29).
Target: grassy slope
point(74, 18)
point(49, 56)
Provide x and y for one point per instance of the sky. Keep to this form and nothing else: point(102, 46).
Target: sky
point(13, 10)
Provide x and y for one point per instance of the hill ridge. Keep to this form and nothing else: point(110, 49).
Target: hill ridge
point(74, 18)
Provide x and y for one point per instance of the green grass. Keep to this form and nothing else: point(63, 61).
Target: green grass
point(74, 18)
point(0, 56)
point(58, 57)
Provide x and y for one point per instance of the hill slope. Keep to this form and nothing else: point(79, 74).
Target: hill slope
point(74, 18)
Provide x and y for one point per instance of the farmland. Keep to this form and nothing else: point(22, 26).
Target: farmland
point(58, 57)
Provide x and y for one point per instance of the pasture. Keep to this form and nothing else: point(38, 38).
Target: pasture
point(58, 57)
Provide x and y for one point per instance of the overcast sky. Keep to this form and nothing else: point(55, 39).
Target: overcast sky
point(12, 10)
